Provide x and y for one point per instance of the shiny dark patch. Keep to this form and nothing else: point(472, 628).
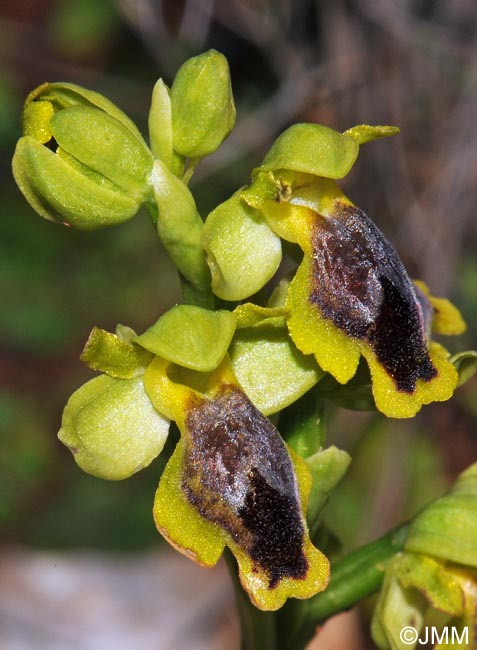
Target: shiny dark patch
point(238, 474)
point(361, 285)
point(52, 144)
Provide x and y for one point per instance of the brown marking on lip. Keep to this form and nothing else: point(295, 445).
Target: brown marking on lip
point(238, 474)
point(361, 285)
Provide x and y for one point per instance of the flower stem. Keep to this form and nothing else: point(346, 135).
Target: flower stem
point(353, 578)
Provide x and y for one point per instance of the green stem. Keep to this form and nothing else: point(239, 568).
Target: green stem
point(353, 578)
point(192, 164)
point(193, 296)
point(258, 628)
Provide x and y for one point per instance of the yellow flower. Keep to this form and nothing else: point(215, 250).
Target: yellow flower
point(232, 482)
point(351, 295)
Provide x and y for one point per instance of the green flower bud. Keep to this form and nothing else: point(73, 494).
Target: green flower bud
point(160, 129)
point(95, 168)
point(434, 578)
point(446, 529)
point(203, 111)
point(112, 428)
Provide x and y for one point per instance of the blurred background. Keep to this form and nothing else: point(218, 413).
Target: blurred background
point(412, 63)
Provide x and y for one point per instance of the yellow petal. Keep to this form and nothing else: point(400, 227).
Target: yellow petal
point(399, 404)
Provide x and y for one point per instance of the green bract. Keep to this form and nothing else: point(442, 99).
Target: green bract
point(203, 111)
point(95, 170)
point(160, 124)
point(112, 428)
point(327, 468)
point(180, 226)
point(191, 337)
point(243, 253)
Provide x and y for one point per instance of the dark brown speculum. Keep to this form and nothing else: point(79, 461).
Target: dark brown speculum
point(238, 474)
point(361, 285)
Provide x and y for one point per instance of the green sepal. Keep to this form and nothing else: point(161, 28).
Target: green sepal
point(397, 608)
point(111, 427)
point(190, 336)
point(432, 579)
point(270, 369)
point(312, 149)
point(104, 145)
point(466, 365)
point(179, 226)
point(363, 133)
point(446, 528)
point(60, 192)
point(243, 253)
point(327, 468)
point(49, 98)
point(265, 187)
point(203, 111)
point(251, 315)
point(160, 129)
point(113, 355)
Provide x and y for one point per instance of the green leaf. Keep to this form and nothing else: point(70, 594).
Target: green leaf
point(59, 192)
point(203, 111)
point(243, 253)
point(270, 369)
point(179, 226)
point(363, 133)
point(465, 364)
point(191, 337)
point(111, 427)
point(113, 355)
point(313, 149)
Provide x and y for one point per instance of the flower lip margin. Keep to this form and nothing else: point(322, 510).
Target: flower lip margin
point(233, 482)
point(360, 284)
